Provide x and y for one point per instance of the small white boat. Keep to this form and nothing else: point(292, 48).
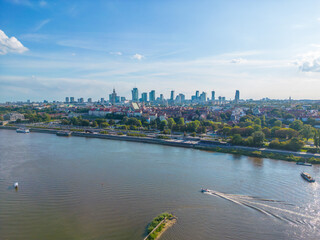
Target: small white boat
point(16, 185)
point(22, 130)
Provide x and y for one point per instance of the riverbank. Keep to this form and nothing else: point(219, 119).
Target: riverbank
point(238, 150)
point(159, 225)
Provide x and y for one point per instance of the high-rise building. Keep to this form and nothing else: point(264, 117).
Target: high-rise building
point(89, 100)
point(122, 99)
point(135, 94)
point(72, 99)
point(203, 97)
point(67, 100)
point(102, 100)
point(152, 96)
point(213, 97)
point(113, 97)
point(237, 97)
point(161, 97)
point(81, 100)
point(197, 94)
point(172, 95)
point(144, 97)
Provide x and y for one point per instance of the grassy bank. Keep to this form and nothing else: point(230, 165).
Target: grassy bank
point(169, 220)
point(260, 154)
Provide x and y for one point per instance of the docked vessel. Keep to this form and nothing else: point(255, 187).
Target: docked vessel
point(307, 177)
point(64, 133)
point(22, 130)
point(304, 164)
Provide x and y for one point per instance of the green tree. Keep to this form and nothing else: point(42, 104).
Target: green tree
point(267, 132)
point(296, 125)
point(295, 144)
point(171, 123)
point(316, 139)
point(237, 139)
point(257, 121)
point(112, 122)
point(226, 130)
point(193, 126)
point(277, 123)
point(84, 122)
point(181, 121)
point(163, 124)
point(94, 124)
point(258, 138)
point(307, 131)
point(256, 127)
point(104, 125)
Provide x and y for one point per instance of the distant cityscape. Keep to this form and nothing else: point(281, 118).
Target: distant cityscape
point(152, 99)
point(174, 99)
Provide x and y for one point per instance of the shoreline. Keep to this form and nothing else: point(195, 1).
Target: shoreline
point(237, 150)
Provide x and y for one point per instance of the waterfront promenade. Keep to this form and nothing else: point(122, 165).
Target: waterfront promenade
point(183, 142)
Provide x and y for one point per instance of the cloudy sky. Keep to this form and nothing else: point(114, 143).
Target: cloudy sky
point(53, 49)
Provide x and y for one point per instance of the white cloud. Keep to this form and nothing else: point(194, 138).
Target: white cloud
point(116, 53)
point(309, 62)
point(43, 3)
point(137, 56)
point(238, 60)
point(21, 2)
point(8, 45)
point(41, 24)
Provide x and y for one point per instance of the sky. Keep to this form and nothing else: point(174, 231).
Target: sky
point(53, 49)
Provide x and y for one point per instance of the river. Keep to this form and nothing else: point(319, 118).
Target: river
point(84, 188)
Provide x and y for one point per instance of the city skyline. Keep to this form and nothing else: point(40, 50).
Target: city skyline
point(53, 50)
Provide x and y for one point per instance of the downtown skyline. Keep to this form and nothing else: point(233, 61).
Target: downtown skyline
point(53, 50)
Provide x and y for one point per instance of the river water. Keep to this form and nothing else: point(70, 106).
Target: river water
point(82, 188)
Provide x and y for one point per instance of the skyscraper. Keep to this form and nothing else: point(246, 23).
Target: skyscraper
point(102, 100)
point(144, 97)
point(89, 100)
point(72, 99)
point(135, 94)
point(161, 97)
point(67, 100)
point(197, 94)
point(113, 97)
point(203, 97)
point(172, 95)
point(152, 96)
point(213, 97)
point(237, 97)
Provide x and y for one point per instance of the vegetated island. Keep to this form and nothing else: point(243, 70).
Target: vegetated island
point(159, 225)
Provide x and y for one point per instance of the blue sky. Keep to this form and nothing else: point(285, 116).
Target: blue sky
point(53, 49)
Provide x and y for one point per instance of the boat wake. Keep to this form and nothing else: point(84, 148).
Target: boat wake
point(273, 208)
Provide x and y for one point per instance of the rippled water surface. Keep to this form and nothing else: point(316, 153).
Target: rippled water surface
point(80, 188)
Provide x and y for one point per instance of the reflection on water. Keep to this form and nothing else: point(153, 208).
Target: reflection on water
point(78, 188)
point(256, 161)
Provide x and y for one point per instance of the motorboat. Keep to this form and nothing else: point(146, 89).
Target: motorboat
point(204, 190)
point(22, 130)
point(304, 164)
point(307, 177)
